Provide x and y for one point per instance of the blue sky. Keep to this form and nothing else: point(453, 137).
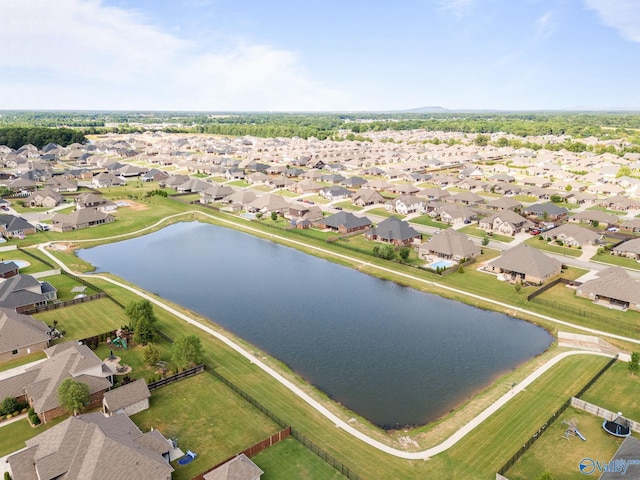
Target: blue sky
point(285, 55)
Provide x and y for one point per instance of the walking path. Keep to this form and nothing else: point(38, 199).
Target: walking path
point(448, 443)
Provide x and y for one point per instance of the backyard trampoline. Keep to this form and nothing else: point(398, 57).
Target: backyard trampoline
point(618, 427)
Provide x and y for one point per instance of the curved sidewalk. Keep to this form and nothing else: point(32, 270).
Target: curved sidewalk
point(423, 455)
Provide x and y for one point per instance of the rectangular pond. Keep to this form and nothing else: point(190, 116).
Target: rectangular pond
point(392, 354)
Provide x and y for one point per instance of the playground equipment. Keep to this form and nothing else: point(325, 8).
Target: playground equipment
point(119, 342)
point(572, 430)
point(188, 458)
point(620, 427)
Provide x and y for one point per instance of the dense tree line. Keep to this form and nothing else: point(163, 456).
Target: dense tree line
point(578, 125)
point(16, 137)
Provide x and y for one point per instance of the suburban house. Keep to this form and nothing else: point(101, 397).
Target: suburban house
point(78, 219)
point(8, 269)
point(395, 231)
point(24, 292)
point(450, 245)
point(524, 263)
point(91, 200)
point(215, 193)
point(21, 335)
point(595, 217)
point(453, 213)
point(406, 204)
point(62, 184)
point(344, 222)
point(12, 226)
point(47, 197)
point(504, 203)
point(304, 213)
point(154, 175)
point(469, 199)
point(632, 225)
point(365, 197)
point(94, 446)
point(336, 193)
point(238, 468)
point(573, 235)
point(613, 288)
point(106, 180)
point(546, 210)
point(629, 249)
point(268, 203)
point(193, 185)
point(130, 398)
point(506, 222)
point(39, 384)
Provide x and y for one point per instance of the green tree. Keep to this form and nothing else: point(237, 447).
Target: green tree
point(74, 396)
point(186, 350)
point(386, 251)
point(623, 171)
point(150, 354)
point(634, 363)
point(556, 198)
point(485, 240)
point(274, 216)
point(568, 188)
point(143, 321)
point(404, 253)
point(518, 287)
point(482, 140)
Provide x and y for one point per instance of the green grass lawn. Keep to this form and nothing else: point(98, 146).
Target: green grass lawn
point(428, 221)
point(291, 459)
point(35, 265)
point(347, 205)
point(64, 284)
point(239, 183)
point(478, 232)
point(602, 209)
point(617, 260)
point(132, 356)
point(381, 212)
point(85, 319)
point(207, 418)
point(13, 435)
point(561, 457)
point(616, 391)
point(552, 247)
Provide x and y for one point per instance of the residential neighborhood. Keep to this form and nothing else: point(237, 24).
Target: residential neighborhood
point(437, 209)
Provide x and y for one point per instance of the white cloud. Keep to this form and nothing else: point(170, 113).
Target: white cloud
point(457, 8)
point(545, 26)
point(83, 54)
point(623, 15)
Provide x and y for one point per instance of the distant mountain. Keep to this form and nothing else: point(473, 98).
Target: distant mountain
point(429, 109)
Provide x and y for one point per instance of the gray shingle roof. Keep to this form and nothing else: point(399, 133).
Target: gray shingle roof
point(527, 260)
point(126, 395)
point(20, 331)
point(613, 283)
point(393, 228)
point(90, 446)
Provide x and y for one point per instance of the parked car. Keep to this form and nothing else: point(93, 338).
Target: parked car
point(534, 232)
point(613, 229)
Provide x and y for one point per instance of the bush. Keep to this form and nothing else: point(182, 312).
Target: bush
point(7, 476)
point(8, 405)
point(34, 419)
point(31, 411)
point(9, 416)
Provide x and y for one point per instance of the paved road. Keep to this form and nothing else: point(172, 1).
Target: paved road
point(338, 422)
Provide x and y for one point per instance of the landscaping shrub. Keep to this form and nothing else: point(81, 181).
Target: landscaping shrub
point(8, 405)
point(34, 419)
point(7, 476)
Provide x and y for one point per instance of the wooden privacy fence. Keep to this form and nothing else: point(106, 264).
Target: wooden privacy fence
point(253, 450)
point(178, 376)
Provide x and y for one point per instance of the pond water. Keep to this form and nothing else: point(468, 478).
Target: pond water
point(392, 354)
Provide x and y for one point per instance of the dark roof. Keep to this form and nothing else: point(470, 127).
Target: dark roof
point(14, 223)
point(20, 290)
point(393, 228)
point(19, 331)
point(126, 395)
point(548, 208)
point(6, 267)
point(346, 219)
point(629, 450)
